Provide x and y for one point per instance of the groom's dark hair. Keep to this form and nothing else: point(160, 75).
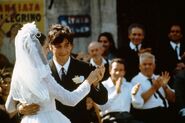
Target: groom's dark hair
point(57, 33)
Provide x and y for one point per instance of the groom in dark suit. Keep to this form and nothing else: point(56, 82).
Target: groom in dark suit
point(74, 71)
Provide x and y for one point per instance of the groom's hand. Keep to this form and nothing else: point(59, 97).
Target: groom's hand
point(28, 109)
point(100, 73)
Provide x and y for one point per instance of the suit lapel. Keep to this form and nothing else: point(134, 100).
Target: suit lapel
point(54, 71)
point(71, 68)
point(172, 52)
point(182, 49)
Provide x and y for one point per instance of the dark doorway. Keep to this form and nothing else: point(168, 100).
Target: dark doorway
point(155, 15)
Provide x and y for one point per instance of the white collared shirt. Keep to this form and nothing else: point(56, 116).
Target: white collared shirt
point(133, 46)
point(153, 102)
point(94, 64)
point(178, 48)
point(65, 66)
point(117, 102)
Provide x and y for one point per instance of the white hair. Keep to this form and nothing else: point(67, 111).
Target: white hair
point(146, 55)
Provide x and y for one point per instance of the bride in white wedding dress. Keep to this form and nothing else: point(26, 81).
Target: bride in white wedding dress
point(32, 81)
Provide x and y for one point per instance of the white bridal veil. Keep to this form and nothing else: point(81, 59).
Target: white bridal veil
point(30, 67)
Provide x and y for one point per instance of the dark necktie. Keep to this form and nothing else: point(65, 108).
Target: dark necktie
point(176, 51)
point(159, 94)
point(137, 48)
point(62, 73)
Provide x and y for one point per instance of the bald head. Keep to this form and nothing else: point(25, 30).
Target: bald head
point(94, 44)
point(95, 49)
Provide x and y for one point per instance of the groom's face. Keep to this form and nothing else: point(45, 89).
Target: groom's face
point(61, 50)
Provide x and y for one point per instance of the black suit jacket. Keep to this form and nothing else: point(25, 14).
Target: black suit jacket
point(167, 60)
point(131, 59)
point(179, 86)
point(166, 57)
point(78, 114)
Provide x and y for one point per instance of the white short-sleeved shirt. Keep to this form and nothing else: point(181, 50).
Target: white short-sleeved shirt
point(153, 102)
point(117, 102)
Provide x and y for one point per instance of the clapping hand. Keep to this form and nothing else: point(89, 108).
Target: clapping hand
point(118, 84)
point(165, 77)
point(157, 83)
point(161, 80)
point(143, 50)
point(135, 89)
point(180, 66)
point(96, 75)
point(183, 56)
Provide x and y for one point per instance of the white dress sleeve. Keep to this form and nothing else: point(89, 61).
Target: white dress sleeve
point(66, 97)
point(10, 104)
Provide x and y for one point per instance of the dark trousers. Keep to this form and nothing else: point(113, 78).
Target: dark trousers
point(153, 115)
point(119, 117)
point(181, 119)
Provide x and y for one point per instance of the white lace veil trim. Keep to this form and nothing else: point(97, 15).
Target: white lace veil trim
point(30, 67)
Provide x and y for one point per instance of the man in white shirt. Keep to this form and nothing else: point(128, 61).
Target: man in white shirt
point(117, 108)
point(152, 104)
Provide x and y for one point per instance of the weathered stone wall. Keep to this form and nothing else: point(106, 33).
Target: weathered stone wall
point(102, 12)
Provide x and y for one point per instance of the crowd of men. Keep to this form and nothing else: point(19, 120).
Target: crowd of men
point(141, 84)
